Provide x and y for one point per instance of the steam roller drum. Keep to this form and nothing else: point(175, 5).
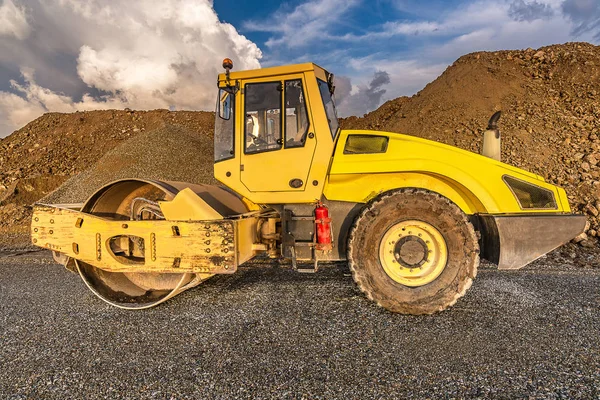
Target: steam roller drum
point(128, 200)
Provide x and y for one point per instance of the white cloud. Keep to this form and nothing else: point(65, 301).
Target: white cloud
point(585, 15)
point(491, 25)
point(308, 22)
point(144, 54)
point(13, 20)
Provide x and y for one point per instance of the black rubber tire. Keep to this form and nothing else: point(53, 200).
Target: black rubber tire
point(391, 208)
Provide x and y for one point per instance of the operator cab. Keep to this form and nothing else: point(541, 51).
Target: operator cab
point(271, 127)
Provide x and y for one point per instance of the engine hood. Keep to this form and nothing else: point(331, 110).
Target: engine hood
point(365, 153)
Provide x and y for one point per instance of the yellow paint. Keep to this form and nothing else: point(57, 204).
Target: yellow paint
point(266, 176)
point(472, 181)
point(272, 171)
point(270, 72)
point(188, 206)
point(399, 266)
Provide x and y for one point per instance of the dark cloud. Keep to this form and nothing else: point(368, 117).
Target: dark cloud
point(585, 15)
point(366, 99)
point(343, 87)
point(529, 11)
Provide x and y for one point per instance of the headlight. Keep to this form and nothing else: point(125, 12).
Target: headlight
point(530, 196)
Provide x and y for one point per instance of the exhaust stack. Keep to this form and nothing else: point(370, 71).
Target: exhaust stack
point(491, 138)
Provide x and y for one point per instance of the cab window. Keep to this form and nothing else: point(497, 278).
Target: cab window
point(262, 110)
point(296, 114)
point(224, 125)
point(329, 104)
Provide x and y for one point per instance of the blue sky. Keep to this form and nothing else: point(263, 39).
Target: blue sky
point(412, 41)
point(351, 18)
point(69, 55)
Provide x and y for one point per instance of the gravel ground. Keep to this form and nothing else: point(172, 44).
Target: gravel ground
point(267, 332)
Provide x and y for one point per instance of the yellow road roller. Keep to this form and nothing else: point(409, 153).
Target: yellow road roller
point(412, 217)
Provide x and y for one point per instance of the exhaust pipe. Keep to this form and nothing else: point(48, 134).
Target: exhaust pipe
point(491, 138)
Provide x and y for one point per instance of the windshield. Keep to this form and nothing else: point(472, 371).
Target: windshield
point(224, 125)
point(329, 104)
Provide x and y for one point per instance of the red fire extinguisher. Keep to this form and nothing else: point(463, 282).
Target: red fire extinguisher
point(323, 227)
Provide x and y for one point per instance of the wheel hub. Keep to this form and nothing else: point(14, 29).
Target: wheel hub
point(413, 253)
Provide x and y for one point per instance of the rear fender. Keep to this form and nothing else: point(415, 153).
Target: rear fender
point(361, 188)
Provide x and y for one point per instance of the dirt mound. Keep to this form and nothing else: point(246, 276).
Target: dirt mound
point(551, 114)
point(29, 190)
point(66, 144)
point(171, 153)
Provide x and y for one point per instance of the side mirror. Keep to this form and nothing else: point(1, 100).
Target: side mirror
point(330, 84)
point(225, 105)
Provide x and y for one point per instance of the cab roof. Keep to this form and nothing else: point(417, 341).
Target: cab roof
point(274, 71)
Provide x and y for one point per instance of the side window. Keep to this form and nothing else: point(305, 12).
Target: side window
point(366, 144)
point(262, 128)
point(296, 114)
point(224, 126)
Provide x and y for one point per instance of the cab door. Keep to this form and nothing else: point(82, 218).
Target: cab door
point(278, 140)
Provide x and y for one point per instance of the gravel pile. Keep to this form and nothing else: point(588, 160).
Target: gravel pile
point(171, 153)
point(66, 144)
